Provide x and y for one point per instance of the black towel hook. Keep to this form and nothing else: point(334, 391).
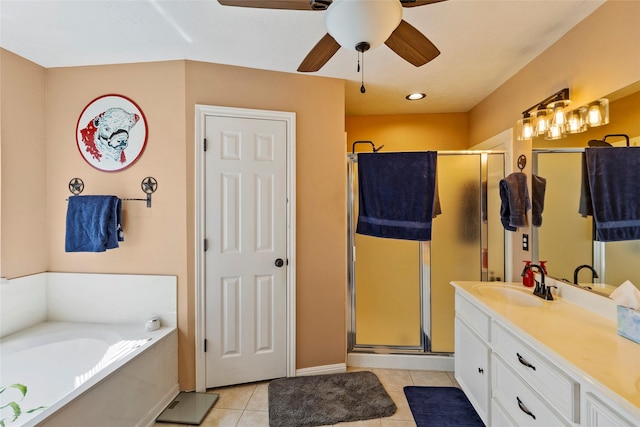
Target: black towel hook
point(522, 162)
point(373, 147)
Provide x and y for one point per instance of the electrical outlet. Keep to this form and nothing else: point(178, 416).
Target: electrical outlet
point(525, 242)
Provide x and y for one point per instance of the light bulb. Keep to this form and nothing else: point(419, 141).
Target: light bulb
point(524, 129)
point(576, 121)
point(595, 116)
point(527, 131)
point(542, 122)
point(558, 116)
point(555, 132)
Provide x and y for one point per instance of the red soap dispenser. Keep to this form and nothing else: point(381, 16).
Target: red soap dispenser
point(527, 278)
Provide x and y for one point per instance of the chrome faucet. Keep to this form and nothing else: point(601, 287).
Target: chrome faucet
point(577, 270)
point(541, 290)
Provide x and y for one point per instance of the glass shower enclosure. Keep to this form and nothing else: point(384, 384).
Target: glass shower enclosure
point(399, 297)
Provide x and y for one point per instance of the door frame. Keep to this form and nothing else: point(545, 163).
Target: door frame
point(202, 111)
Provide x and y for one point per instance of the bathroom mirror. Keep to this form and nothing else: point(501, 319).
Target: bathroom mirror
point(565, 239)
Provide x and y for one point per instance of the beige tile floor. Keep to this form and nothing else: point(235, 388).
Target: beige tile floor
point(247, 405)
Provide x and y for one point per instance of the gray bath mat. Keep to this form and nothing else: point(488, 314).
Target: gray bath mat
point(327, 399)
point(188, 408)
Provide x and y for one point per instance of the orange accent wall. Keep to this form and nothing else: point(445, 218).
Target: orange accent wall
point(409, 132)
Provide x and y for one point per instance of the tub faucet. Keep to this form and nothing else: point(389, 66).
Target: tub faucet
point(541, 290)
point(577, 270)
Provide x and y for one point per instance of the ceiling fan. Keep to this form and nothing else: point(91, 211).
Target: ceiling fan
point(358, 25)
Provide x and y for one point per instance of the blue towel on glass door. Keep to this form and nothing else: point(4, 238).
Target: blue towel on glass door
point(94, 223)
point(614, 183)
point(396, 194)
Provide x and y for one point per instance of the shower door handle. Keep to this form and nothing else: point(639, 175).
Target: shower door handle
point(279, 262)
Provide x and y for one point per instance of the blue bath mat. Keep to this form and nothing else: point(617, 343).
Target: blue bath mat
point(441, 407)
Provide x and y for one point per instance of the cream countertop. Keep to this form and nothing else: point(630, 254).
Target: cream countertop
point(579, 337)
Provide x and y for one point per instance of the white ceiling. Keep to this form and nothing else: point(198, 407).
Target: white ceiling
point(483, 43)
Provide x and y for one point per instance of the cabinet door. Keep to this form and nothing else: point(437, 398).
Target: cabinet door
point(472, 368)
point(598, 414)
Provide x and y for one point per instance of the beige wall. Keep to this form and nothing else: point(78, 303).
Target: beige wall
point(23, 222)
point(160, 240)
point(409, 132)
point(597, 57)
point(155, 238)
point(321, 190)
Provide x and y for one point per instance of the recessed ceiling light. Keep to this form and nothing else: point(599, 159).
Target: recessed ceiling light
point(415, 96)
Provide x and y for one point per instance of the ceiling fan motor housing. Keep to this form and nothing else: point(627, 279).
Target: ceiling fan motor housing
point(351, 22)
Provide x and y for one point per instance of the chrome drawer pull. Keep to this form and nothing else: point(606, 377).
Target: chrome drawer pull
point(524, 408)
point(524, 362)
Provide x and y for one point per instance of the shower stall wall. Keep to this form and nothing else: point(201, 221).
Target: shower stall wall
point(399, 297)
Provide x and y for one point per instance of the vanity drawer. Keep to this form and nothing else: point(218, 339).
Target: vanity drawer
point(476, 319)
point(499, 416)
point(518, 400)
point(553, 385)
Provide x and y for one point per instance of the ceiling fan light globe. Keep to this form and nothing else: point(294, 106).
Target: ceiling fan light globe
point(354, 21)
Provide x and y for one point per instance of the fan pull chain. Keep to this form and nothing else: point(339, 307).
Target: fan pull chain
point(361, 48)
point(362, 89)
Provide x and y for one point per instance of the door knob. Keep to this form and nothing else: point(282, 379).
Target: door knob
point(279, 262)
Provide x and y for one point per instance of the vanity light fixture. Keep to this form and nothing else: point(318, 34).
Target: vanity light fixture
point(550, 119)
point(548, 112)
point(416, 96)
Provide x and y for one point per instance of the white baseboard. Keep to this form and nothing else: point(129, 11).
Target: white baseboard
point(338, 368)
point(412, 362)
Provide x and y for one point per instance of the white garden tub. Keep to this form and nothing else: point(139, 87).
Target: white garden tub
point(88, 374)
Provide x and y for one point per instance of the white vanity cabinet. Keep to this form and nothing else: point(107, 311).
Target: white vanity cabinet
point(472, 367)
point(513, 379)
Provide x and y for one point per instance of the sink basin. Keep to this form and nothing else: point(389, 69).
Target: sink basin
point(513, 296)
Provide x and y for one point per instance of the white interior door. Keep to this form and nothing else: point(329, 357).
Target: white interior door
point(245, 260)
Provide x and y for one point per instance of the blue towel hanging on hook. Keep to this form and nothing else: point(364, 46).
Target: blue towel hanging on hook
point(614, 186)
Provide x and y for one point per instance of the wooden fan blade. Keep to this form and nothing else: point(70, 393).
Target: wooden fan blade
point(411, 44)
point(414, 3)
point(274, 4)
point(319, 55)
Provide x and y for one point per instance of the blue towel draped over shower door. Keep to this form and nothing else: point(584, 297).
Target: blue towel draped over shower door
point(614, 184)
point(94, 223)
point(396, 194)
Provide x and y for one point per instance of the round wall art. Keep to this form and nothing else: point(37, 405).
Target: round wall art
point(111, 133)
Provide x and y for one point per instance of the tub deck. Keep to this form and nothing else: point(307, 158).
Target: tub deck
point(61, 363)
